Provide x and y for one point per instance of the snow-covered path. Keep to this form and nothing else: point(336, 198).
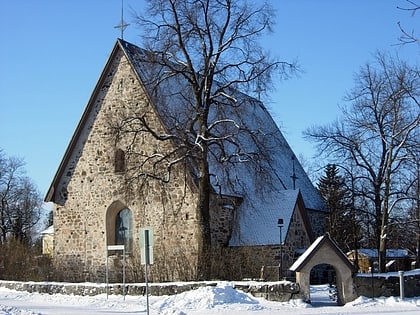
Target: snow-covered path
point(222, 299)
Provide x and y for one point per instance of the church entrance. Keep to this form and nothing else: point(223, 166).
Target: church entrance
point(325, 258)
point(323, 286)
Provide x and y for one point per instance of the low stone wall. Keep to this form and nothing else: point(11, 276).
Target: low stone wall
point(278, 291)
point(386, 285)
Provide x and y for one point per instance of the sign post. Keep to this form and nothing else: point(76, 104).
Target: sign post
point(402, 293)
point(111, 248)
point(146, 256)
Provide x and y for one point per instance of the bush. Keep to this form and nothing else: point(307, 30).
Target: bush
point(23, 262)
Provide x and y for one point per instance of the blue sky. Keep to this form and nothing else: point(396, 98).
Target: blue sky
point(53, 52)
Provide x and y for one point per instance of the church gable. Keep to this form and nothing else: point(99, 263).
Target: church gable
point(298, 234)
point(299, 230)
point(96, 206)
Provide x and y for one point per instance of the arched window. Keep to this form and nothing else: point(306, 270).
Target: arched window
point(119, 163)
point(124, 229)
point(119, 225)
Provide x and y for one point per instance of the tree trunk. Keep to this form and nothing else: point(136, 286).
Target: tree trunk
point(203, 217)
point(418, 249)
point(385, 210)
point(383, 237)
point(418, 220)
point(382, 250)
point(3, 223)
point(378, 222)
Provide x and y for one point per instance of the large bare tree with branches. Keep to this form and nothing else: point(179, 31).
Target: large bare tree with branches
point(378, 135)
point(201, 53)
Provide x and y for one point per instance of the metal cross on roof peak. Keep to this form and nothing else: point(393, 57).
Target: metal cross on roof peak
point(123, 25)
point(294, 177)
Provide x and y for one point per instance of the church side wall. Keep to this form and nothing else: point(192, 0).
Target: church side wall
point(89, 186)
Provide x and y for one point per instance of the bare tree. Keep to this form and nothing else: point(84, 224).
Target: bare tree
point(379, 135)
point(20, 207)
point(410, 221)
point(416, 214)
point(202, 53)
point(408, 37)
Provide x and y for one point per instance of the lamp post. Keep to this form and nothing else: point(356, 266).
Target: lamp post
point(280, 224)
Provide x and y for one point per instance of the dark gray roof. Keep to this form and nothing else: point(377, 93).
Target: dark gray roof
point(390, 253)
point(267, 195)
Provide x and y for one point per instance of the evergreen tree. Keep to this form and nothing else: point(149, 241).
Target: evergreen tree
point(340, 223)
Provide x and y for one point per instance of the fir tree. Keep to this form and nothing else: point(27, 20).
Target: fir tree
point(340, 223)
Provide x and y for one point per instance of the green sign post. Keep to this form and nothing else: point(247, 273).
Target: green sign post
point(146, 256)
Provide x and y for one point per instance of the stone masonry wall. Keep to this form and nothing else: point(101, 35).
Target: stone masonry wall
point(222, 213)
point(280, 292)
point(318, 222)
point(296, 242)
point(90, 186)
point(387, 285)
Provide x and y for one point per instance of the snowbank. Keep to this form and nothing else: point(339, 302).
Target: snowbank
point(219, 299)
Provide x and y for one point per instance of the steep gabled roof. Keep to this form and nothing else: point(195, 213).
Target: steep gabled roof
point(261, 228)
point(316, 246)
point(265, 196)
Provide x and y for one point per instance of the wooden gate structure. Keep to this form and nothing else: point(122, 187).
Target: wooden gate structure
point(325, 251)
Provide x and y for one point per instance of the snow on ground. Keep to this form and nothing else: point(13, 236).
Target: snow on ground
point(221, 299)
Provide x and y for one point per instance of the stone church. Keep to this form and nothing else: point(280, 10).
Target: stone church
point(258, 220)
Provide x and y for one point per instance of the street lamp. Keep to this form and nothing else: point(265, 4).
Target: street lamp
point(280, 224)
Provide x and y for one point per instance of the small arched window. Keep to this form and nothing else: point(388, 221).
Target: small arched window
point(124, 229)
point(119, 163)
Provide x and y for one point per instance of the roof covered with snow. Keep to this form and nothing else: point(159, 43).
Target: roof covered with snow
point(48, 231)
point(390, 253)
point(260, 227)
point(268, 194)
point(321, 241)
point(306, 254)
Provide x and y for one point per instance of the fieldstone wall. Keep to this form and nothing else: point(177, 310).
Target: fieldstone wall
point(318, 222)
point(273, 291)
point(387, 285)
point(281, 292)
point(296, 243)
point(222, 212)
point(246, 262)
